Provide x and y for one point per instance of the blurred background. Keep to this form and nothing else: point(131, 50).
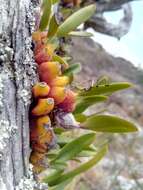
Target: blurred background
point(115, 51)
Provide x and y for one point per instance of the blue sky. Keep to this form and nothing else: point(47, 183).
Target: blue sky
point(131, 45)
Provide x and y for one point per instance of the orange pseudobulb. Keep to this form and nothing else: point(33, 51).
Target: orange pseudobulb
point(43, 107)
point(49, 70)
point(43, 141)
point(58, 94)
point(38, 36)
point(34, 141)
point(41, 135)
point(75, 2)
point(39, 162)
point(68, 105)
point(43, 121)
point(60, 81)
point(40, 89)
point(43, 53)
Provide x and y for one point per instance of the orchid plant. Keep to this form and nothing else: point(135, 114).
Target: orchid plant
point(58, 108)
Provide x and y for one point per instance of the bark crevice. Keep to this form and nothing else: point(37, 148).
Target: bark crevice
point(17, 75)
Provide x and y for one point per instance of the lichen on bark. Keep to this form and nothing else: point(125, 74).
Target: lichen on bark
point(17, 75)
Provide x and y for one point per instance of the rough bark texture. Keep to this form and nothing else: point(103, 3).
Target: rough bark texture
point(17, 74)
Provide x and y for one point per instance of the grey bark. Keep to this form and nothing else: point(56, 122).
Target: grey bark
point(17, 75)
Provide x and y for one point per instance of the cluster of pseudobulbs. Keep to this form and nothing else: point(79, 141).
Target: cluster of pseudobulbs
point(49, 95)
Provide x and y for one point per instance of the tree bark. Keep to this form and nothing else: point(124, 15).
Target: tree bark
point(17, 75)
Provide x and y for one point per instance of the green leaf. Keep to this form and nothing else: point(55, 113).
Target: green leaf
point(58, 130)
point(87, 101)
point(54, 174)
point(59, 165)
point(73, 21)
point(105, 89)
point(45, 19)
point(59, 59)
point(106, 123)
point(54, 41)
point(51, 154)
point(74, 68)
point(103, 80)
point(62, 140)
point(55, 1)
point(82, 168)
point(61, 186)
point(86, 153)
point(53, 27)
point(80, 34)
point(80, 117)
point(74, 147)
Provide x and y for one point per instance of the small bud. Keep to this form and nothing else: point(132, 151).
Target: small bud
point(60, 81)
point(68, 105)
point(40, 89)
point(49, 70)
point(43, 107)
point(58, 94)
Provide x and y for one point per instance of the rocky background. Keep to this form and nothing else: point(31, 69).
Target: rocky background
point(122, 168)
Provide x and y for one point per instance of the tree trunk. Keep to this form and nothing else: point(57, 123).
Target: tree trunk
point(17, 74)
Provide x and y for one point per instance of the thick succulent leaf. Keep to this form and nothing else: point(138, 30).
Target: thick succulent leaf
point(59, 165)
point(53, 27)
point(45, 19)
point(105, 89)
point(86, 153)
point(82, 168)
point(73, 148)
point(54, 41)
point(55, 1)
point(87, 101)
point(80, 34)
point(103, 80)
point(53, 175)
point(80, 118)
point(73, 68)
point(59, 130)
point(107, 123)
point(63, 139)
point(61, 186)
point(73, 21)
point(60, 60)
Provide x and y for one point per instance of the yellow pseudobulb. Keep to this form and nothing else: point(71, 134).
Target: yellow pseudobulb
point(40, 89)
point(60, 81)
point(43, 107)
point(58, 94)
point(49, 71)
